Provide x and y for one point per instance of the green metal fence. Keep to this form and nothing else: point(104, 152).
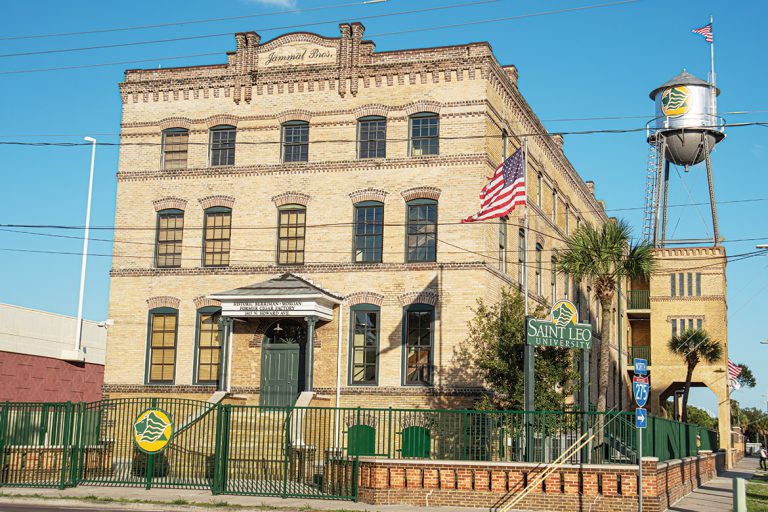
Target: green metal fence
point(638, 299)
point(301, 451)
point(641, 352)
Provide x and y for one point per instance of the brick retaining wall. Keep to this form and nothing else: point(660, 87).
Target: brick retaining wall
point(599, 488)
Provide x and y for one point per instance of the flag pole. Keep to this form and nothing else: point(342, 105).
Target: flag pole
point(712, 68)
point(529, 376)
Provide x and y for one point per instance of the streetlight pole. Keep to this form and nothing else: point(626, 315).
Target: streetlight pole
point(77, 353)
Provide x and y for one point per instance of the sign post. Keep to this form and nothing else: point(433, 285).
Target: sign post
point(640, 389)
point(563, 331)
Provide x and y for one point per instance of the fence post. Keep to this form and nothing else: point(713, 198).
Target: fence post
point(77, 447)
point(389, 438)
point(3, 435)
point(217, 452)
point(65, 443)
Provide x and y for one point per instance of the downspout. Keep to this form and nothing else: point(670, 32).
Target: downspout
point(338, 373)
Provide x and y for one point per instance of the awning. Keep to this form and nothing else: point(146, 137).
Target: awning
point(285, 296)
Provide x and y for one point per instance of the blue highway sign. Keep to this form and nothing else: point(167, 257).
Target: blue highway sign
point(641, 366)
point(641, 418)
point(640, 388)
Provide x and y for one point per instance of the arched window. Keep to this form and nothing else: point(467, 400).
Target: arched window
point(369, 232)
point(222, 145)
point(295, 141)
point(217, 234)
point(161, 346)
point(291, 234)
point(504, 144)
point(364, 344)
point(175, 144)
point(522, 255)
point(372, 137)
point(170, 230)
point(421, 243)
point(208, 342)
point(554, 280)
point(418, 341)
point(425, 134)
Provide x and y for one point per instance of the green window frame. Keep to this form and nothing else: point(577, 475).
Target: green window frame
point(217, 236)
point(504, 144)
point(554, 206)
point(368, 236)
point(168, 238)
point(291, 234)
point(567, 222)
point(208, 343)
point(222, 145)
point(539, 188)
point(364, 335)
point(418, 344)
point(175, 148)
point(698, 284)
point(295, 141)
point(162, 337)
point(539, 283)
point(553, 274)
point(372, 137)
point(672, 285)
point(421, 231)
point(424, 132)
point(503, 244)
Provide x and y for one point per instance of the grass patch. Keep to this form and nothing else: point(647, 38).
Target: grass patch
point(757, 494)
point(92, 498)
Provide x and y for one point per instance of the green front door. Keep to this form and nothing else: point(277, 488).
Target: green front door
point(282, 364)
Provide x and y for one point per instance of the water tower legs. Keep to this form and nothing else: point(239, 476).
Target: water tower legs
point(665, 185)
point(715, 230)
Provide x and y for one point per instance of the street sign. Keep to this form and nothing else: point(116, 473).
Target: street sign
point(641, 366)
point(640, 388)
point(641, 418)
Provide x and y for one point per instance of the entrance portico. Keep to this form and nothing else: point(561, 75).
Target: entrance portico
point(295, 306)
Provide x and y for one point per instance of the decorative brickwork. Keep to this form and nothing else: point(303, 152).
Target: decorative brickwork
point(175, 122)
point(368, 194)
point(294, 115)
point(221, 119)
point(163, 301)
point(373, 109)
point(421, 193)
point(364, 298)
point(420, 297)
point(218, 200)
point(422, 106)
point(167, 203)
point(290, 198)
point(204, 302)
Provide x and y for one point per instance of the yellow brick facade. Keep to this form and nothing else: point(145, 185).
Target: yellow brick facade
point(476, 99)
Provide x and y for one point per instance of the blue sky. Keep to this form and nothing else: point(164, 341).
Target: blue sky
point(592, 63)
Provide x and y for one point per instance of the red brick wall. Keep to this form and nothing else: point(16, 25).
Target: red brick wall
point(26, 378)
point(604, 488)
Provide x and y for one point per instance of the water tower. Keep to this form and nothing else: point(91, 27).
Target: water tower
point(683, 132)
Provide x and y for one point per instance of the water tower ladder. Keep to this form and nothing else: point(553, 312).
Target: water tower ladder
point(651, 180)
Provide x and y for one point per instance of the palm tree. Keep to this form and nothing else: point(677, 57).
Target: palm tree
point(694, 346)
point(603, 256)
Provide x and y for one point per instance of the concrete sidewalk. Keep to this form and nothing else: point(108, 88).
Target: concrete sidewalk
point(716, 495)
point(98, 498)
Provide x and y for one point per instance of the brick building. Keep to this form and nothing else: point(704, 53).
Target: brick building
point(299, 212)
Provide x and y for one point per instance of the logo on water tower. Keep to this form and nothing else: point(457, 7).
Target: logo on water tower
point(153, 430)
point(676, 101)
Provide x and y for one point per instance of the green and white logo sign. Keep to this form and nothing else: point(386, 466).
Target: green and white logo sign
point(153, 430)
point(563, 330)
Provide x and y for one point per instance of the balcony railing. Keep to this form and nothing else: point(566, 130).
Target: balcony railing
point(639, 299)
point(639, 352)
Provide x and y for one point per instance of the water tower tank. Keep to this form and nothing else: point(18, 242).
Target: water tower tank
point(686, 118)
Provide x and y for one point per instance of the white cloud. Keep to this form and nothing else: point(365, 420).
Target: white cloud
point(288, 4)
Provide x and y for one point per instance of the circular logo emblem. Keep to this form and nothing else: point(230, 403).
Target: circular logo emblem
point(564, 313)
point(152, 430)
point(675, 101)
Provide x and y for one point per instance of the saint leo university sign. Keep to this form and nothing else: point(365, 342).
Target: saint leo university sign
point(562, 331)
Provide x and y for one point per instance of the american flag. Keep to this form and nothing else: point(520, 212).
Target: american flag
point(705, 31)
point(504, 191)
point(734, 370)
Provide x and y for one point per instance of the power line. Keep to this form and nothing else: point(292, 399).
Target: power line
point(266, 29)
point(180, 23)
point(493, 20)
point(403, 139)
